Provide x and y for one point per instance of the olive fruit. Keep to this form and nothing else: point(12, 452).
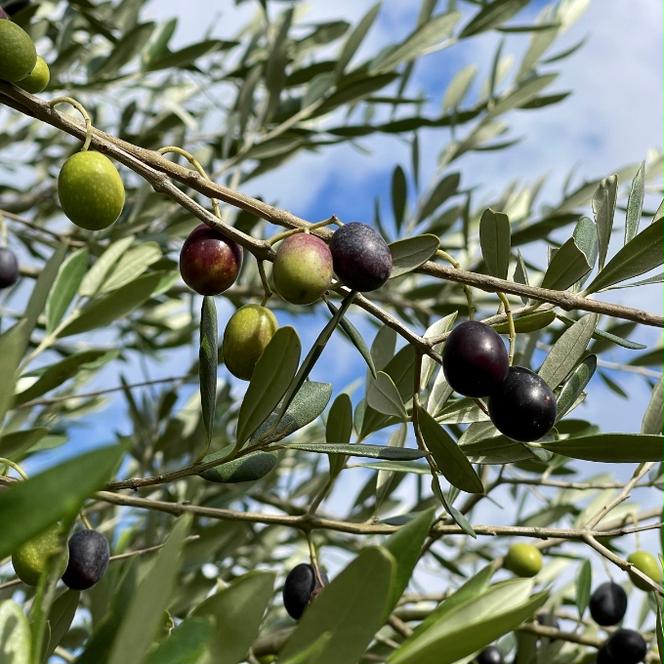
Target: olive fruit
point(362, 259)
point(30, 560)
point(209, 261)
point(39, 78)
point(88, 559)
point(490, 655)
point(523, 407)
point(247, 333)
point(608, 604)
point(626, 646)
point(647, 563)
point(17, 52)
point(8, 268)
point(603, 656)
point(475, 360)
point(523, 559)
point(300, 588)
point(91, 191)
point(302, 269)
point(248, 468)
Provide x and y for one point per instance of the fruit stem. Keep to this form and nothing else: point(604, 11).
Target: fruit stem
point(81, 109)
point(466, 288)
point(15, 466)
point(3, 231)
point(265, 282)
point(85, 521)
point(510, 325)
point(310, 227)
point(197, 165)
point(313, 555)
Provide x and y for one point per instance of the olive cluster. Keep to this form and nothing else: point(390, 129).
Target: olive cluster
point(303, 269)
point(19, 62)
point(476, 364)
point(83, 564)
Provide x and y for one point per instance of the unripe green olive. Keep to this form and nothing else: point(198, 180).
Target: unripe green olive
point(91, 191)
point(248, 468)
point(17, 52)
point(523, 559)
point(39, 78)
point(30, 560)
point(247, 333)
point(647, 563)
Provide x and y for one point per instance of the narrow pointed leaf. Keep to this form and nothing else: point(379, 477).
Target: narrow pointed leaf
point(610, 447)
point(451, 461)
point(575, 384)
point(360, 449)
point(410, 253)
point(495, 239)
point(635, 204)
point(207, 359)
point(144, 614)
point(383, 396)
point(273, 374)
point(642, 254)
point(66, 284)
point(567, 351)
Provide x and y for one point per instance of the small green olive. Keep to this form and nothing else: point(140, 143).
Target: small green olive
point(91, 191)
point(30, 560)
point(647, 563)
point(39, 78)
point(247, 333)
point(17, 52)
point(523, 559)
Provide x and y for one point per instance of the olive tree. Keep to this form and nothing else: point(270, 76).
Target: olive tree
point(252, 510)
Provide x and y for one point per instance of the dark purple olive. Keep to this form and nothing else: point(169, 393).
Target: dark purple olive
point(626, 646)
point(8, 268)
point(608, 604)
point(88, 559)
point(490, 655)
point(300, 589)
point(523, 407)
point(209, 261)
point(361, 257)
point(475, 360)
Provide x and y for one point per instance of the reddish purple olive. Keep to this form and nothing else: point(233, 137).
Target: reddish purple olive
point(8, 268)
point(209, 261)
point(490, 655)
point(523, 407)
point(301, 587)
point(475, 359)
point(302, 269)
point(608, 604)
point(89, 555)
point(626, 646)
point(362, 259)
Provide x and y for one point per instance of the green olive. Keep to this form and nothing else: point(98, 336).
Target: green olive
point(523, 559)
point(91, 191)
point(17, 52)
point(39, 78)
point(647, 563)
point(248, 332)
point(31, 559)
point(245, 469)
